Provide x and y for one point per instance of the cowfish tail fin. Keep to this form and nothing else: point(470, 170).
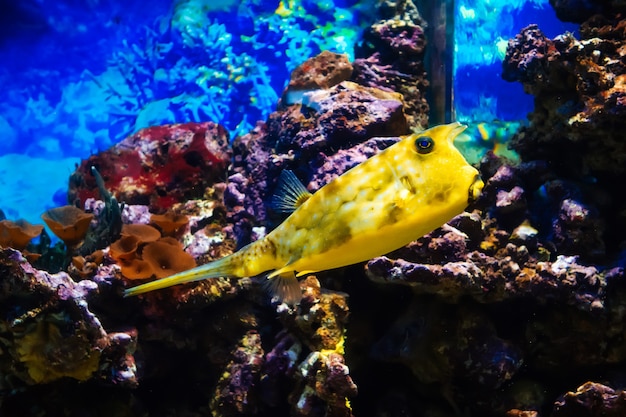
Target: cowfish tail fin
point(285, 287)
point(219, 268)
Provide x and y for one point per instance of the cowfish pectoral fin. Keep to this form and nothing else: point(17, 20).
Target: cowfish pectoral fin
point(285, 287)
point(290, 193)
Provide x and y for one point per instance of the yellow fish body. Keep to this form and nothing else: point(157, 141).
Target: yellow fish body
point(380, 205)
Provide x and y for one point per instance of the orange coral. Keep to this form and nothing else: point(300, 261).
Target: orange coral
point(136, 269)
point(144, 232)
point(18, 234)
point(142, 253)
point(170, 223)
point(171, 241)
point(69, 223)
point(86, 266)
point(124, 248)
point(166, 259)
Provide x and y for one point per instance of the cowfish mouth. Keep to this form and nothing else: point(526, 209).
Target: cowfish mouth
point(475, 189)
point(455, 129)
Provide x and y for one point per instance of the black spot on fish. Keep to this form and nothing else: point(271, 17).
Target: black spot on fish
point(340, 234)
point(392, 216)
point(440, 197)
point(269, 247)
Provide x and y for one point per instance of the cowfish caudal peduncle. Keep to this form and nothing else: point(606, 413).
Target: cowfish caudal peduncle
point(380, 205)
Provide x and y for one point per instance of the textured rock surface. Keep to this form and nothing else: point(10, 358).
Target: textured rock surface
point(579, 94)
point(592, 399)
point(50, 333)
point(319, 72)
point(157, 166)
point(330, 132)
point(392, 58)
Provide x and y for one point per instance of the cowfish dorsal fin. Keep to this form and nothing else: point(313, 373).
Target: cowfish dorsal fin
point(290, 193)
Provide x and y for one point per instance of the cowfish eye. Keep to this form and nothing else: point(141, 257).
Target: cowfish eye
point(424, 144)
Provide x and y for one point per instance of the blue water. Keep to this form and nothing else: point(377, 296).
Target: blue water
point(79, 76)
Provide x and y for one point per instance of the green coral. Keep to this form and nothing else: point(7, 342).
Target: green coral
point(51, 350)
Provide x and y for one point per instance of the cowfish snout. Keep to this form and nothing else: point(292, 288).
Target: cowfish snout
point(475, 189)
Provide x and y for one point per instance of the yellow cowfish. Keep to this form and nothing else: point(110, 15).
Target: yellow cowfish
point(380, 205)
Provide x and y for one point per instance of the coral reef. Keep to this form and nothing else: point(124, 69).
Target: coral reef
point(577, 86)
point(514, 307)
point(575, 130)
point(157, 166)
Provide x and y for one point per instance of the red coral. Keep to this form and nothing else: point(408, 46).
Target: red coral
point(158, 166)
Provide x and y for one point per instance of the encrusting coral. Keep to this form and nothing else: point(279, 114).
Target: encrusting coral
point(57, 336)
point(45, 346)
point(188, 157)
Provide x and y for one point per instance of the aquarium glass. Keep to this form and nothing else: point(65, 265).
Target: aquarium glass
point(482, 29)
